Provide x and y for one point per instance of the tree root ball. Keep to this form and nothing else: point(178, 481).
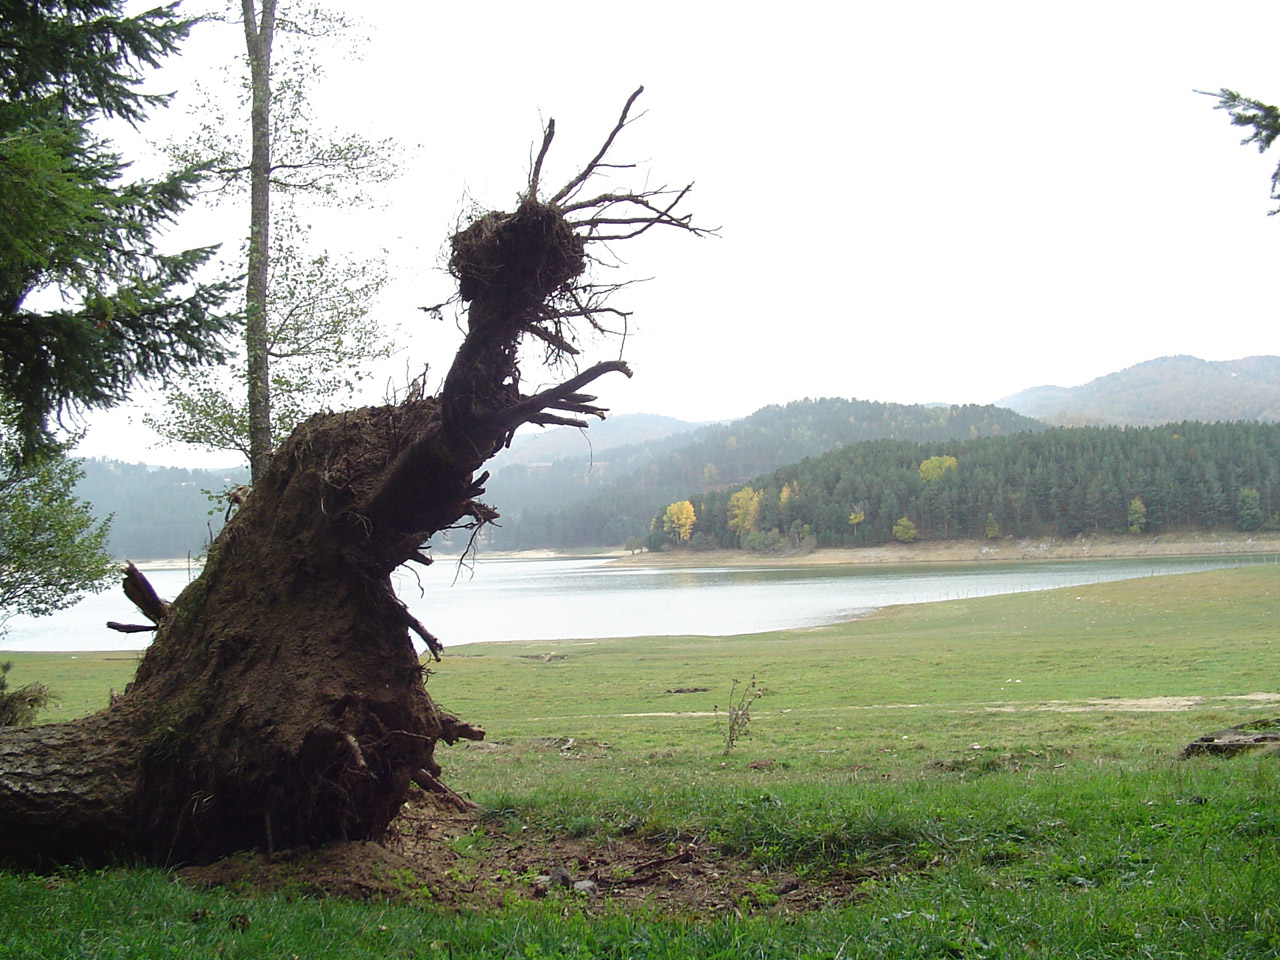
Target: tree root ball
point(527, 255)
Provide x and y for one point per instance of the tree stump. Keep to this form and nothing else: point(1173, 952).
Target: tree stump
point(282, 701)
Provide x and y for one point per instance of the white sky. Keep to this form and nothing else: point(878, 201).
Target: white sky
point(918, 202)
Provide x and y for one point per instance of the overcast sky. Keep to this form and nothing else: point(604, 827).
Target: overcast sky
point(918, 202)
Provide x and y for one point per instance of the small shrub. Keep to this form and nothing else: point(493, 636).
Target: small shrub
point(18, 708)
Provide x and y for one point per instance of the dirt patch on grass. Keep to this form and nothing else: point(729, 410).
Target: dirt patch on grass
point(1134, 704)
point(464, 861)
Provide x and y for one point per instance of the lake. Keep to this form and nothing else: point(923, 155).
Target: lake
point(592, 598)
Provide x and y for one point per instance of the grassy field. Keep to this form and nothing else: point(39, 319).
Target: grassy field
point(995, 777)
point(82, 682)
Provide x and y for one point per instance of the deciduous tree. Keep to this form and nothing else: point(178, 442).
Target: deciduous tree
point(744, 511)
point(320, 337)
point(309, 332)
point(934, 467)
point(52, 549)
point(856, 518)
point(678, 521)
point(904, 531)
point(990, 528)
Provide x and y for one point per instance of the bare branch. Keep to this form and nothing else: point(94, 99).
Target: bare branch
point(554, 420)
point(412, 622)
point(143, 596)
point(130, 627)
point(533, 406)
point(551, 338)
point(572, 186)
point(605, 200)
point(536, 172)
point(654, 215)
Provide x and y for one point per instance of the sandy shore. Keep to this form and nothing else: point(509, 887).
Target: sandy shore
point(175, 563)
point(970, 551)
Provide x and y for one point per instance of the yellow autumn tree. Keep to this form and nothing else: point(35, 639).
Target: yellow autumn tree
point(856, 518)
point(678, 521)
point(935, 467)
point(744, 511)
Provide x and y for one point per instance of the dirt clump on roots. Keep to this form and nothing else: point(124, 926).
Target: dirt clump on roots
point(435, 856)
point(531, 253)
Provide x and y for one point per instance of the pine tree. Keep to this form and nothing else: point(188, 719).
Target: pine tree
point(89, 304)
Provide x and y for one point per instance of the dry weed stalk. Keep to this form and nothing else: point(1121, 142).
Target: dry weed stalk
point(739, 710)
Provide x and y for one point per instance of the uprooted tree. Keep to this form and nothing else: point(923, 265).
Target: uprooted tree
point(282, 701)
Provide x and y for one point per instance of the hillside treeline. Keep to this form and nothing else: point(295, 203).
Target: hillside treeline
point(566, 504)
point(1061, 482)
point(157, 512)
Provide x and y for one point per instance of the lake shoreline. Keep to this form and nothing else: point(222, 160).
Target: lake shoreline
point(977, 551)
point(1005, 550)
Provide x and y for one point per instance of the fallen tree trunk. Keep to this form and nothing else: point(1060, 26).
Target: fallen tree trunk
point(282, 701)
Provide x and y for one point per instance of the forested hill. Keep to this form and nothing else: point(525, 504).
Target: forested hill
point(159, 512)
point(570, 504)
point(1166, 390)
point(1061, 482)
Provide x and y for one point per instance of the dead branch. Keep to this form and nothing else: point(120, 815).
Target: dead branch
point(143, 596)
point(555, 420)
point(536, 172)
point(130, 627)
point(572, 186)
point(452, 729)
point(533, 406)
point(412, 622)
point(433, 785)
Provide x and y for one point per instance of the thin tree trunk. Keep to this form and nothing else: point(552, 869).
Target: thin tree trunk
point(258, 40)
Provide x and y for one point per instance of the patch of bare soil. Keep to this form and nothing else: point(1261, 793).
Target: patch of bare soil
point(434, 855)
point(1133, 704)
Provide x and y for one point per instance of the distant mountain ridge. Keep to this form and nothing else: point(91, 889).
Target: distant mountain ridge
point(1164, 390)
point(623, 430)
point(563, 489)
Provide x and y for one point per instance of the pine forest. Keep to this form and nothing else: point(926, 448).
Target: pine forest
point(1061, 483)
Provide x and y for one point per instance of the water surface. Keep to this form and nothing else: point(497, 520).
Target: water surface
point(591, 598)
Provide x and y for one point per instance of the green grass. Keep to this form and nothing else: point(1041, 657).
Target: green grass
point(883, 696)
point(961, 813)
point(82, 682)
